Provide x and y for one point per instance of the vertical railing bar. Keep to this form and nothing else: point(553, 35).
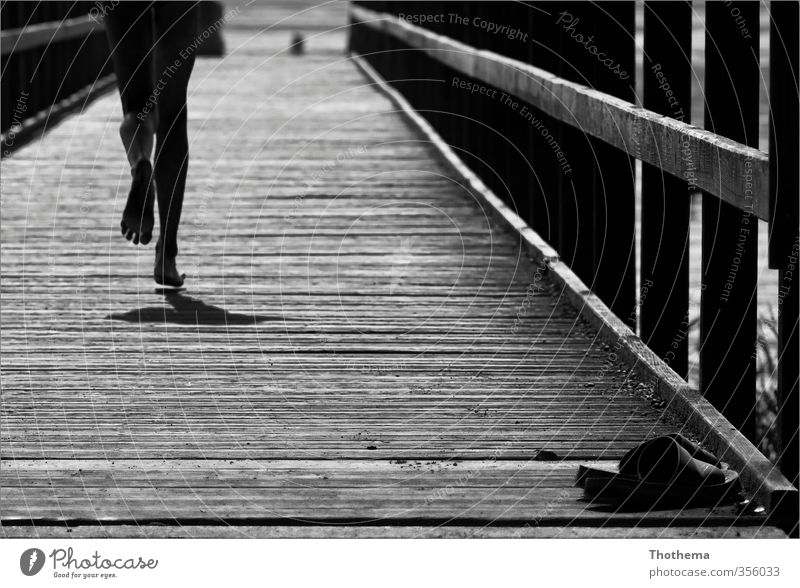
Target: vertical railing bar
point(784, 153)
point(615, 197)
point(664, 283)
point(729, 235)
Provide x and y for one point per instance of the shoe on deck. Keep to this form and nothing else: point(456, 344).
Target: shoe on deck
point(668, 471)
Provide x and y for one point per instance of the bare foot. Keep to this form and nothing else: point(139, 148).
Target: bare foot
point(137, 219)
point(165, 271)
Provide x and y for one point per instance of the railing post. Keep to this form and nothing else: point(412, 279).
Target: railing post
point(517, 131)
point(664, 287)
point(467, 132)
point(600, 246)
point(575, 193)
point(544, 185)
point(493, 147)
point(614, 199)
point(784, 153)
point(729, 239)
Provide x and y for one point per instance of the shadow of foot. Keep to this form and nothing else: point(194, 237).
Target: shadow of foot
point(185, 310)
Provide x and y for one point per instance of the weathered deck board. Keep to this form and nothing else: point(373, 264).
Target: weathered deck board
point(357, 341)
point(379, 532)
point(311, 491)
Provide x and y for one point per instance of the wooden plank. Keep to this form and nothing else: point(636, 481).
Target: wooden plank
point(539, 492)
point(678, 148)
point(205, 473)
point(405, 506)
point(380, 532)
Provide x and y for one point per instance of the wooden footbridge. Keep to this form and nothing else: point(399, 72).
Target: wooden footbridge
point(371, 340)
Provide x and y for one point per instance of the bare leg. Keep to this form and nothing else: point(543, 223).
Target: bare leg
point(129, 29)
point(137, 137)
point(175, 31)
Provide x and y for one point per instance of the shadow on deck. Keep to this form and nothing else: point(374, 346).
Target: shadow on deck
point(185, 310)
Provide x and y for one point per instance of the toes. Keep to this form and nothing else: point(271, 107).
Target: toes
point(145, 238)
point(124, 227)
point(129, 235)
point(136, 238)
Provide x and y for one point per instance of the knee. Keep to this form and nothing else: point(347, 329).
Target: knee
point(172, 109)
point(172, 124)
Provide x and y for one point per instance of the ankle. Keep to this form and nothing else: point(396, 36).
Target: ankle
point(170, 252)
point(137, 137)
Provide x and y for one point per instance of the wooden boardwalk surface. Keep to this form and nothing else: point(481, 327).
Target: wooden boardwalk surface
point(357, 344)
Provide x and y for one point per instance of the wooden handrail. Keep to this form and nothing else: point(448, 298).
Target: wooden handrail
point(37, 35)
point(735, 173)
